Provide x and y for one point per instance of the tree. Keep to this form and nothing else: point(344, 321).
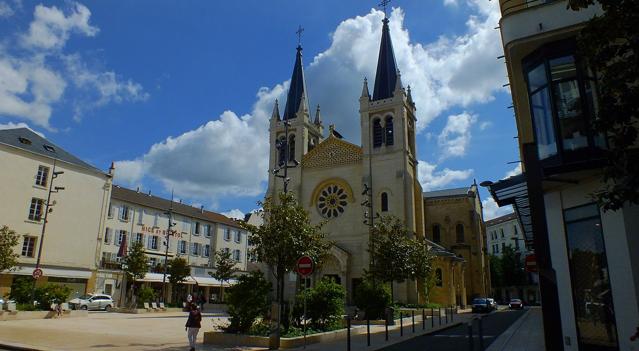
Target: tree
point(8, 241)
point(324, 304)
point(610, 46)
point(372, 298)
point(135, 264)
point(286, 235)
point(247, 300)
point(224, 268)
point(496, 273)
point(513, 273)
point(179, 270)
point(420, 264)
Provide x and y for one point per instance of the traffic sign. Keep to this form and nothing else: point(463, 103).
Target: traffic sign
point(304, 266)
point(37, 273)
point(531, 263)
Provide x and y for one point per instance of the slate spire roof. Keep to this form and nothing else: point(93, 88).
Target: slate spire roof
point(386, 75)
point(297, 90)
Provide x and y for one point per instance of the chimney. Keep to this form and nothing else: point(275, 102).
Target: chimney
point(180, 200)
point(202, 209)
point(149, 192)
point(137, 190)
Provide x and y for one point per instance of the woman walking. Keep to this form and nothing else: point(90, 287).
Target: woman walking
point(193, 325)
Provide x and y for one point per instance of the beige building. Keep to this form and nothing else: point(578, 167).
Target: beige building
point(587, 258)
point(32, 166)
point(136, 216)
point(454, 220)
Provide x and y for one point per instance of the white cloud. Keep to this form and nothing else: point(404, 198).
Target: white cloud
point(5, 10)
point(485, 125)
point(455, 137)
point(12, 125)
point(491, 210)
point(129, 172)
point(450, 2)
point(51, 27)
point(234, 213)
point(431, 179)
point(515, 171)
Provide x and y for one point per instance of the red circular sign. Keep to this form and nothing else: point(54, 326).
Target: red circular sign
point(37, 273)
point(531, 263)
point(304, 266)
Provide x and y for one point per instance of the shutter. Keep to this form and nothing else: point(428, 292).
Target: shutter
point(148, 242)
point(120, 212)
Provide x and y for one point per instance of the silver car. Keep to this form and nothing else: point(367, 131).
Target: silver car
point(92, 302)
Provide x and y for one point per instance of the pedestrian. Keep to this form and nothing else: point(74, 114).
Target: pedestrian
point(193, 325)
point(202, 302)
point(58, 309)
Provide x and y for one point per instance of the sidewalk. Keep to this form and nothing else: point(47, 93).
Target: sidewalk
point(526, 334)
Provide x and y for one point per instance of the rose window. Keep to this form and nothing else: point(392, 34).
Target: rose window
point(331, 201)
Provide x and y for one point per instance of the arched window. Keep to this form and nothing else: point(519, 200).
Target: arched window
point(388, 130)
point(436, 233)
point(281, 147)
point(439, 277)
point(378, 133)
point(291, 148)
point(384, 202)
point(459, 229)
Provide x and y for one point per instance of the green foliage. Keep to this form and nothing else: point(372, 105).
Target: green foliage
point(496, 273)
point(286, 235)
point(224, 266)
point(372, 298)
point(146, 294)
point(8, 241)
point(324, 304)
point(47, 294)
point(21, 289)
point(135, 263)
point(247, 300)
point(178, 271)
point(507, 270)
point(51, 293)
point(610, 44)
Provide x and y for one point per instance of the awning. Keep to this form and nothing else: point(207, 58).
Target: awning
point(201, 281)
point(54, 272)
point(210, 281)
point(514, 191)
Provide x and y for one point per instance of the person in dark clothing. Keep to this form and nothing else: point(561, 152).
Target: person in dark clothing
point(193, 325)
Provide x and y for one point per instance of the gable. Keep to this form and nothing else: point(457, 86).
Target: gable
point(332, 152)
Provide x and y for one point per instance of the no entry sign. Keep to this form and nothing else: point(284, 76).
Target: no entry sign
point(531, 263)
point(304, 266)
point(37, 273)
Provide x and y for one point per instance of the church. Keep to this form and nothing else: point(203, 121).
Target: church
point(351, 186)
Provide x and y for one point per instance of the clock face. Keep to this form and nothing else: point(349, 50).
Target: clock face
point(332, 201)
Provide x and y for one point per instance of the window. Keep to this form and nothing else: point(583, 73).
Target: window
point(110, 210)
point(28, 246)
point(24, 141)
point(153, 261)
point(196, 229)
point(123, 215)
point(238, 236)
point(36, 208)
point(378, 133)
point(207, 230)
point(139, 238)
point(388, 130)
point(281, 149)
point(517, 244)
point(459, 230)
point(121, 235)
point(503, 247)
point(237, 255)
point(493, 247)
point(156, 220)
point(591, 290)
point(195, 249)
point(291, 148)
point(108, 233)
point(515, 230)
point(186, 225)
point(48, 148)
point(227, 234)
point(182, 247)
point(497, 248)
point(437, 233)
point(140, 216)
point(207, 250)
point(439, 277)
point(384, 202)
point(501, 231)
point(226, 250)
point(152, 242)
point(42, 176)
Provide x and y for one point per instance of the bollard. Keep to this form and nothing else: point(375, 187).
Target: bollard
point(452, 313)
point(470, 335)
point(481, 334)
point(446, 313)
point(432, 317)
point(386, 327)
point(440, 316)
point(368, 331)
point(401, 324)
point(348, 333)
point(413, 319)
point(423, 319)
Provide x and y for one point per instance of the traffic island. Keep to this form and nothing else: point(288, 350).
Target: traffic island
point(25, 315)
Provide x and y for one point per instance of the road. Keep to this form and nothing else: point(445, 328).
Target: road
point(457, 338)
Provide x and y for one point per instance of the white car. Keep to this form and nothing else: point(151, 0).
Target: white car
point(92, 302)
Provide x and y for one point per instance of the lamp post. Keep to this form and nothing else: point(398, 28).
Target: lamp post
point(169, 232)
point(47, 210)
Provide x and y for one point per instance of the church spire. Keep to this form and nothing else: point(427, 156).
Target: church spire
point(386, 75)
point(276, 112)
point(318, 117)
point(297, 90)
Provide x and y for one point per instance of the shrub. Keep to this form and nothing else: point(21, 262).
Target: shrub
point(51, 293)
point(146, 294)
point(324, 305)
point(21, 289)
point(372, 298)
point(247, 300)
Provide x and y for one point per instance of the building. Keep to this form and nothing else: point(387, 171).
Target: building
point(454, 220)
point(587, 258)
point(350, 186)
point(135, 216)
point(503, 232)
point(33, 168)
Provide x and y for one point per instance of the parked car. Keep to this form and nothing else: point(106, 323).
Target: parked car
point(482, 305)
point(92, 302)
point(515, 304)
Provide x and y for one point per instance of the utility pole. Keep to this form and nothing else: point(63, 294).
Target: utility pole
point(166, 243)
point(47, 209)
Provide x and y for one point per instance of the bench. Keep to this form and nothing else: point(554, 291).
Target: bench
point(146, 306)
point(154, 306)
point(162, 307)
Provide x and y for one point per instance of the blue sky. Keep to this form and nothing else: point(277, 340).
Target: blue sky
point(178, 93)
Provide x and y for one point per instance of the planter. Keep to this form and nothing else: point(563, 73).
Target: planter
point(24, 315)
point(142, 310)
point(373, 322)
point(227, 339)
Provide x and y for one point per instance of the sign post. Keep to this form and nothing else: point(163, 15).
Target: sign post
point(304, 268)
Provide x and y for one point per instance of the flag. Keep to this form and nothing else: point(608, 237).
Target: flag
point(122, 251)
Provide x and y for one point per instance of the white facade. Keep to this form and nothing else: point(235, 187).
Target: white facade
point(503, 232)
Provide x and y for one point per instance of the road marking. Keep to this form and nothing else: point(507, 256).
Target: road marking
point(463, 336)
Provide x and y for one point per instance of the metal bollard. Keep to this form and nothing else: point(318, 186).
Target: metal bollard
point(401, 324)
point(440, 316)
point(481, 335)
point(386, 326)
point(446, 313)
point(452, 313)
point(368, 331)
point(432, 317)
point(423, 319)
point(470, 336)
point(413, 319)
point(348, 333)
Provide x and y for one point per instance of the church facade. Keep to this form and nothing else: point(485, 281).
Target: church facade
point(351, 186)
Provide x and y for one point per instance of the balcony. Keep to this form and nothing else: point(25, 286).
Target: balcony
point(110, 265)
point(509, 7)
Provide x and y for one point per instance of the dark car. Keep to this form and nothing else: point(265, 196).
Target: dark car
point(515, 304)
point(482, 305)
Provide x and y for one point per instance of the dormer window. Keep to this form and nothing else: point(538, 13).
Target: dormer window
point(24, 141)
point(49, 148)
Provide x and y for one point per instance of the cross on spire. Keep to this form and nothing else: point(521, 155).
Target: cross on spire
point(299, 35)
point(383, 5)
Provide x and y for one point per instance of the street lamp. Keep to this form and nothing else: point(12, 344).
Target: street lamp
point(169, 232)
point(47, 209)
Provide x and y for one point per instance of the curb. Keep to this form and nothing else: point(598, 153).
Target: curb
point(505, 337)
point(427, 332)
point(22, 347)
